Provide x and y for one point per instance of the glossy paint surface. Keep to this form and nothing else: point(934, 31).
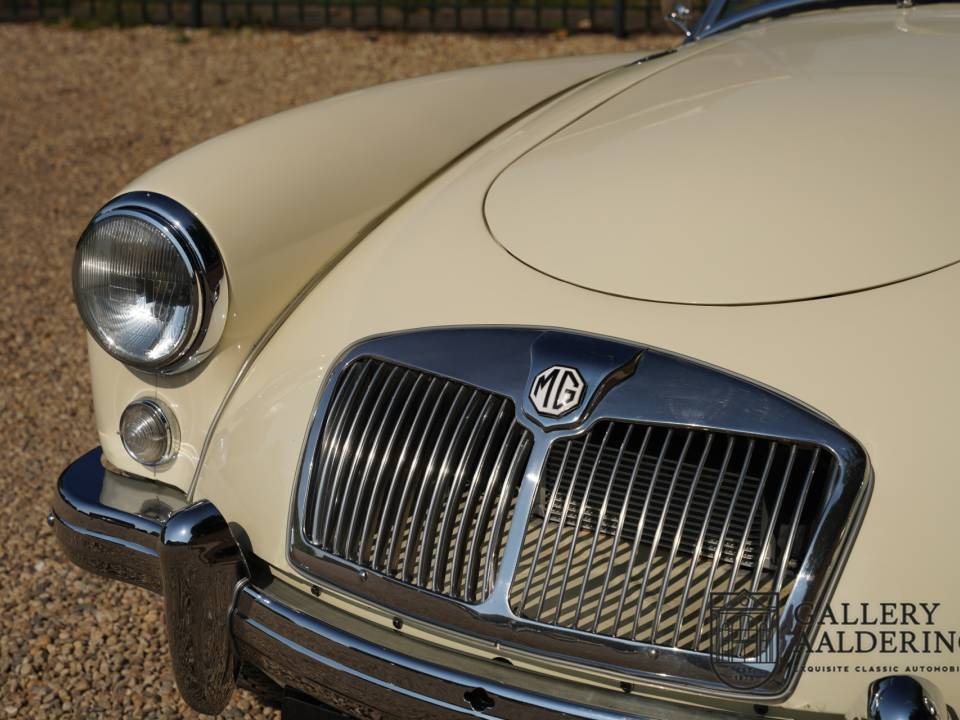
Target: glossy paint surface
point(798, 160)
point(286, 196)
point(882, 364)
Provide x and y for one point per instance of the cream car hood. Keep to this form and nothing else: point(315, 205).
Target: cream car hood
point(881, 364)
point(815, 147)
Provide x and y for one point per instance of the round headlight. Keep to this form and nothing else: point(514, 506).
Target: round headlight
point(149, 432)
point(147, 280)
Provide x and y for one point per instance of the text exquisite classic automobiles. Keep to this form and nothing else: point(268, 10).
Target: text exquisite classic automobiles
point(594, 387)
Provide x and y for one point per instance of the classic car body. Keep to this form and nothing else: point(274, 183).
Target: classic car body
point(481, 358)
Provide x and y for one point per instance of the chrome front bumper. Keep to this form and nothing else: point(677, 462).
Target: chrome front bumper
point(222, 611)
point(225, 610)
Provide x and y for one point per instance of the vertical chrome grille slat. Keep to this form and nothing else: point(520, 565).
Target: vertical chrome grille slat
point(430, 521)
point(331, 441)
point(377, 489)
point(470, 503)
point(695, 559)
point(381, 546)
point(742, 548)
point(568, 497)
point(544, 526)
point(407, 461)
point(774, 515)
point(795, 522)
point(603, 512)
point(579, 523)
point(348, 446)
point(658, 535)
point(751, 444)
point(371, 461)
point(628, 494)
point(742, 646)
point(639, 534)
point(483, 516)
point(676, 542)
point(362, 450)
point(503, 508)
point(456, 492)
point(432, 470)
point(407, 496)
point(640, 527)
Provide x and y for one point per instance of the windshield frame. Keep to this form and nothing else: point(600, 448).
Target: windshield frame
point(711, 24)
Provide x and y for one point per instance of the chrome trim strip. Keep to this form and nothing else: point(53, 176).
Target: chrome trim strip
point(303, 644)
point(653, 387)
point(331, 488)
point(774, 516)
point(318, 530)
point(483, 517)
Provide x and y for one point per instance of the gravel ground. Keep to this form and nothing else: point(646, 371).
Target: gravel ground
point(82, 113)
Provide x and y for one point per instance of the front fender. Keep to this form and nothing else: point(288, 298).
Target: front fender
point(286, 197)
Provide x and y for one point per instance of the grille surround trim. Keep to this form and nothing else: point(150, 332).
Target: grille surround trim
point(625, 381)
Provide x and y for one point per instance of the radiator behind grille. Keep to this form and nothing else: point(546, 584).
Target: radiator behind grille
point(627, 505)
point(416, 477)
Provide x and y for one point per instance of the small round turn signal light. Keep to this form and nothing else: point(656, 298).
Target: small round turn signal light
point(149, 432)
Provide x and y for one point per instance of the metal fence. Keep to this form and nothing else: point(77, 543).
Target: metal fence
point(620, 17)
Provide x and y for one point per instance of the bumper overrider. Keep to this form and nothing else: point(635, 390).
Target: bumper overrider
point(223, 611)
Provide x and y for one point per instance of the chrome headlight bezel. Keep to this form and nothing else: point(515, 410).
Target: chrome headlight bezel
point(201, 257)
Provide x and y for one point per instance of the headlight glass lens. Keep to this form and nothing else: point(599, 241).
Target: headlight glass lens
point(136, 289)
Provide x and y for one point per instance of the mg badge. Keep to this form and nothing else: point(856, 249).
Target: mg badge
point(557, 390)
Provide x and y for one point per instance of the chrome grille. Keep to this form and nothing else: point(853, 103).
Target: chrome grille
point(671, 485)
point(416, 477)
point(638, 524)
